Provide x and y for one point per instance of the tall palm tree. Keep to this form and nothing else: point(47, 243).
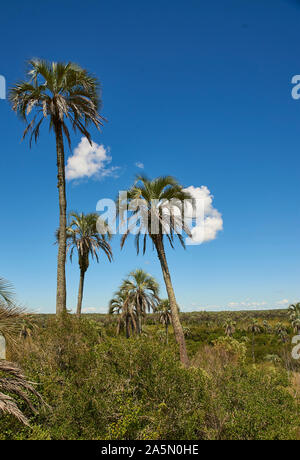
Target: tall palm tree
point(165, 317)
point(229, 327)
point(150, 201)
point(66, 95)
point(143, 293)
point(255, 328)
point(127, 317)
point(83, 235)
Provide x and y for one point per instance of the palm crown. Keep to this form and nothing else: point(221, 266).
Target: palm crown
point(10, 313)
point(59, 91)
point(6, 291)
point(164, 311)
point(229, 327)
point(14, 387)
point(294, 310)
point(254, 327)
point(142, 290)
point(82, 234)
point(159, 205)
point(294, 314)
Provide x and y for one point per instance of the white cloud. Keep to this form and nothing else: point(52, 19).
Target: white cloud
point(246, 304)
point(89, 310)
point(140, 165)
point(209, 219)
point(196, 307)
point(282, 303)
point(88, 161)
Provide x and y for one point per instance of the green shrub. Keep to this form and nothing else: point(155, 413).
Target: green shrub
point(103, 387)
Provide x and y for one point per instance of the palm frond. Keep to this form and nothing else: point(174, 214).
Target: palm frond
point(6, 291)
point(13, 384)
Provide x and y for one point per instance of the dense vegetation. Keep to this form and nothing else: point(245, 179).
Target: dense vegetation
point(103, 386)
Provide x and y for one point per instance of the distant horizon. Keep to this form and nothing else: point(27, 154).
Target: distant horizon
point(181, 311)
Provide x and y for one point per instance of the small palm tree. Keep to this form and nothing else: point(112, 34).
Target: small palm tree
point(28, 327)
point(160, 221)
point(296, 325)
point(127, 317)
point(143, 293)
point(82, 235)
point(229, 327)
point(62, 93)
point(187, 331)
point(165, 317)
point(255, 328)
point(294, 315)
point(294, 310)
point(281, 331)
point(267, 327)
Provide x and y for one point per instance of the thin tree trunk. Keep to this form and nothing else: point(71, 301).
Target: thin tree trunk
point(61, 293)
point(139, 324)
point(118, 327)
point(253, 354)
point(167, 333)
point(179, 336)
point(127, 328)
point(80, 292)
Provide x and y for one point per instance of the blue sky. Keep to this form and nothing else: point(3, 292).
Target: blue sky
point(199, 90)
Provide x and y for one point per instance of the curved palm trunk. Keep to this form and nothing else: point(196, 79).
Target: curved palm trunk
point(61, 293)
point(80, 292)
point(179, 336)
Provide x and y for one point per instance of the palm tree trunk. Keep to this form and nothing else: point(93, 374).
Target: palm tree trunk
point(127, 328)
point(167, 333)
point(179, 336)
point(118, 326)
point(139, 324)
point(80, 292)
point(253, 354)
point(61, 293)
